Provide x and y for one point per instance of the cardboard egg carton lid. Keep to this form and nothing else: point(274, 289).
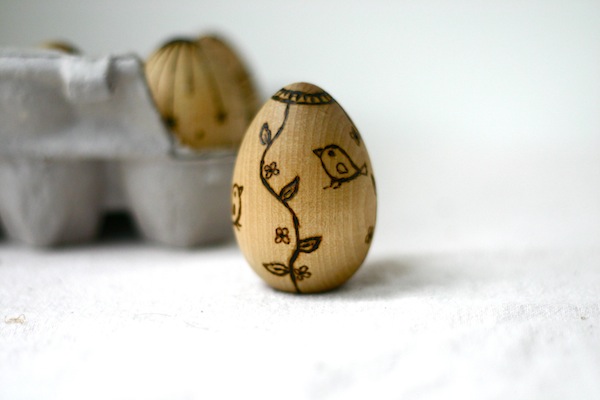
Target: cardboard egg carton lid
point(54, 104)
point(80, 136)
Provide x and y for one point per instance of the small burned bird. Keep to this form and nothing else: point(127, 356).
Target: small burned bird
point(338, 165)
point(236, 209)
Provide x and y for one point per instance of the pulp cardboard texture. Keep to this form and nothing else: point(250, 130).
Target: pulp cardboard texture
point(81, 136)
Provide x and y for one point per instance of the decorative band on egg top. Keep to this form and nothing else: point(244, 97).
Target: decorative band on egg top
point(297, 97)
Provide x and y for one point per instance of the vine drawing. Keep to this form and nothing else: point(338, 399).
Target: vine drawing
point(286, 195)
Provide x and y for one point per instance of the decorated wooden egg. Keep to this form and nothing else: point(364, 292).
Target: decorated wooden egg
point(304, 200)
point(235, 72)
point(203, 92)
point(61, 46)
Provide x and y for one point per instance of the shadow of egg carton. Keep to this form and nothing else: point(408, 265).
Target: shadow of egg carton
point(80, 137)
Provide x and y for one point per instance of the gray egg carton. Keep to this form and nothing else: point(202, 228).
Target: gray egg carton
point(80, 137)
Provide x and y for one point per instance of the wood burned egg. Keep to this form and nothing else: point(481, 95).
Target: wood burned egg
point(61, 46)
point(303, 198)
point(203, 92)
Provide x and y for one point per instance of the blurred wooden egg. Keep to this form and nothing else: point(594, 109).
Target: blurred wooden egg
point(304, 201)
point(202, 91)
point(234, 71)
point(61, 46)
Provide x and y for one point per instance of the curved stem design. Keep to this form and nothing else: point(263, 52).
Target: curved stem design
point(285, 195)
point(282, 200)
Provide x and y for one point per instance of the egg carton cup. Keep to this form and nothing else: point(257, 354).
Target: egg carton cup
point(80, 137)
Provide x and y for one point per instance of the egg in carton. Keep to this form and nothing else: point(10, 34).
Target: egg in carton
point(82, 136)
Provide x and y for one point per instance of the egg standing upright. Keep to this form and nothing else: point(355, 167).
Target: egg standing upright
point(306, 215)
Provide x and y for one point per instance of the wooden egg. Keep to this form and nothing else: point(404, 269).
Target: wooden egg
point(203, 92)
point(235, 72)
point(304, 201)
point(61, 46)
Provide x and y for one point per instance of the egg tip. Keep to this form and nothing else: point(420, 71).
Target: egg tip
point(304, 87)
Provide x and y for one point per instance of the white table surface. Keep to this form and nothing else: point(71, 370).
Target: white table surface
point(123, 319)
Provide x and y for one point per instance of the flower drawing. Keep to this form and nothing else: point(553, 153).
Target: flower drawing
point(271, 170)
point(302, 273)
point(282, 235)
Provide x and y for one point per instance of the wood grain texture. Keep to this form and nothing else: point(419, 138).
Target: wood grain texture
point(203, 91)
point(303, 199)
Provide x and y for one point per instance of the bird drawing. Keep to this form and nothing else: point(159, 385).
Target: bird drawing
point(338, 165)
point(236, 209)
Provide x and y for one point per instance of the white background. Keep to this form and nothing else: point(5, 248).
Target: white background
point(482, 119)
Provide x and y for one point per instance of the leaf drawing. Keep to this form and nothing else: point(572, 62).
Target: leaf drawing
point(290, 190)
point(309, 245)
point(277, 268)
point(265, 134)
point(354, 135)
